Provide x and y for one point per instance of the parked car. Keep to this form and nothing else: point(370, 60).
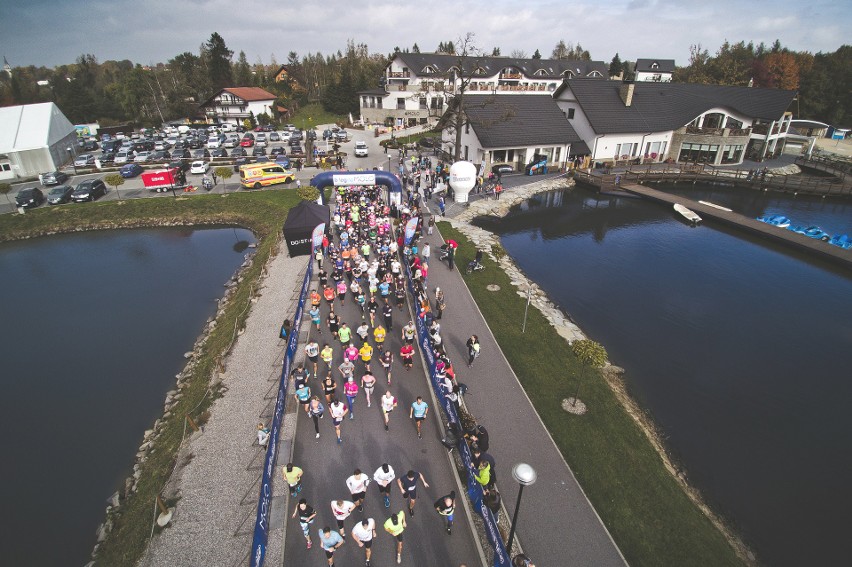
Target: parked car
point(160, 156)
point(199, 167)
point(297, 150)
point(261, 140)
point(124, 157)
point(283, 161)
point(274, 137)
point(60, 194)
point(130, 170)
point(290, 127)
point(278, 151)
point(258, 151)
point(201, 153)
point(220, 152)
point(239, 151)
point(84, 160)
point(247, 141)
point(181, 154)
point(327, 134)
point(107, 158)
point(361, 149)
point(53, 178)
point(89, 190)
point(312, 134)
point(142, 157)
point(502, 168)
point(342, 136)
point(296, 135)
point(29, 197)
point(284, 136)
point(240, 161)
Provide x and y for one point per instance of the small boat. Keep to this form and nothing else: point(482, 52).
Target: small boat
point(814, 232)
point(687, 213)
point(841, 240)
point(715, 206)
point(775, 220)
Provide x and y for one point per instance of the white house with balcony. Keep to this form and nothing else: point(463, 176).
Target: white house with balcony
point(654, 70)
point(417, 86)
point(647, 122)
point(234, 104)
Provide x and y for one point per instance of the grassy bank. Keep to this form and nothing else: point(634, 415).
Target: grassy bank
point(312, 115)
point(649, 515)
point(263, 212)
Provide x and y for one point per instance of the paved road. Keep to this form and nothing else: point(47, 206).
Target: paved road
point(366, 445)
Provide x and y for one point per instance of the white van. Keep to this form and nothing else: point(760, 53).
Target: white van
point(228, 127)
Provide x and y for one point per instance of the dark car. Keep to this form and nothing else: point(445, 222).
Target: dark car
point(107, 157)
point(297, 151)
point(29, 197)
point(60, 194)
point(241, 161)
point(90, 145)
point(258, 151)
point(182, 165)
point(130, 170)
point(502, 168)
point(194, 143)
point(201, 153)
point(429, 143)
point(294, 142)
point(278, 151)
point(296, 135)
point(144, 145)
point(283, 161)
point(238, 151)
point(327, 134)
point(219, 152)
point(161, 155)
point(54, 178)
point(89, 190)
point(312, 134)
point(111, 145)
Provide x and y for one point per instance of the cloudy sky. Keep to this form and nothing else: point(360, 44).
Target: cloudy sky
point(54, 32)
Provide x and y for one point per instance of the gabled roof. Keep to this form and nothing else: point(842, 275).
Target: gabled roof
point(511, 121)
point(32, 126)
point(549, 68)
point(662, 65)
point(659, 107)
point(248, 94)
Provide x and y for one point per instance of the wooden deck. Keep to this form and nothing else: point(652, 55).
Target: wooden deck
point(810, 246)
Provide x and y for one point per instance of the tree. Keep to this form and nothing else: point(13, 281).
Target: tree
point(4, 189)
point(115, 180)
point(495, 52)
point(537, 54)
point(217, 57)
point(223, 173)
point(242, 71)
point(783, 68)
point(415, 48)
point(518, 54)
point(591, 355)
point(615, 66)
point(308, 193)
point(263, 119)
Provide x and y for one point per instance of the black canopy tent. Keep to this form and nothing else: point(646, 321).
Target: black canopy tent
point(300, 224)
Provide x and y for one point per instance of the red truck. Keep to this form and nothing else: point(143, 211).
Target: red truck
point(162, 179)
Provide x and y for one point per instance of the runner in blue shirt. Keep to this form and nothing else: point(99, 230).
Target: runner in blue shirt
point(330, 540)
point(419, 409)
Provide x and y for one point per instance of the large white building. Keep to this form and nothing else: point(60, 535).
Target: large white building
point(417, 86)
point(34, 138)
point(235, 104)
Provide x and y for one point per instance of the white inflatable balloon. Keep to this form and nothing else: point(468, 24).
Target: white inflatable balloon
point(462, 179)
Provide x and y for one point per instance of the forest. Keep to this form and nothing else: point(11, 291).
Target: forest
point(113, 92)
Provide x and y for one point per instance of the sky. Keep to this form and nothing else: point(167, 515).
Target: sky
point(54, 32)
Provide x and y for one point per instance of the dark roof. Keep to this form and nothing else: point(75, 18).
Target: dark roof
point(511, 121)
point(663, 65)
point(658, 107)
point(381, 92)
point(546, 68)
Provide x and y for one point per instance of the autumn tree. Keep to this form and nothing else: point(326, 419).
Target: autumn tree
point(783, 69)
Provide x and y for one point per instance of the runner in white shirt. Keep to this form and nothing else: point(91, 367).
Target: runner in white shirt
point(388, 403)
point(384, 477)
point(357, 484)
point(341, 509)
point(338, 411)
point(363, 534)
point(312, 352)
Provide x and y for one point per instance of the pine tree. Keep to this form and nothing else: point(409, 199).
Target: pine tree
point(537, 54)
point(615, 66)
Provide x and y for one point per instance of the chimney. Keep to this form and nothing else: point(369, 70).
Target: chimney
point(626, 92)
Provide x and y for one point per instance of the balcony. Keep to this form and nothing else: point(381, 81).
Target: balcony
point(511, 76)
point(485, 87)
point(704, 131)
point(399, 75)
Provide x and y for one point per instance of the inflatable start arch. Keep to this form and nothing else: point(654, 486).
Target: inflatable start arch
point(346, 178)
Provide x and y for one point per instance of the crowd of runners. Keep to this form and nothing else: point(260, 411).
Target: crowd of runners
point(364, 263)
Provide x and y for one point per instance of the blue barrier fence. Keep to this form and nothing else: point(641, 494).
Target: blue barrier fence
point(474, 490)
point(261, 525)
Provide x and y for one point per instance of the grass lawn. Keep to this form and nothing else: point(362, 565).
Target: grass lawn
point(312, 115)
point(261, 211)
point(647, 512)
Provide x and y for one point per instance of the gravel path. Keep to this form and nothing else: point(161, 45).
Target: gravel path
point(214, 519)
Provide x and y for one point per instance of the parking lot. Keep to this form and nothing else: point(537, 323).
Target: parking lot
point(133, 188)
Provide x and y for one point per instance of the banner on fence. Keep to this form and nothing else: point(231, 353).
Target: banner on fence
point(410, 229)
point(474, 490)
point(261, 525)
point(319, 230)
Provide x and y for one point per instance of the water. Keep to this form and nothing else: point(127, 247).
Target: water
point(94, 327)
point(739, 348)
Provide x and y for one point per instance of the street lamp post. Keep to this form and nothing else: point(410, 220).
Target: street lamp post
point(525, 475)
point(73, 158)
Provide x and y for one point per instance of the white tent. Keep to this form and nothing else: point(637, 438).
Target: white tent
point(34, 138)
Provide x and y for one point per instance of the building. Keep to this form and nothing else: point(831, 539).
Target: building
point(645, 122)
point(34, 138)
point(235, 104)
point(512, 129)
point(281, 75)
point(417, 86)
point(654, 70)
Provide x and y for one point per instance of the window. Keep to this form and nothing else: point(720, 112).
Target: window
point(6, 167)
point(378, 102)
point(557, 155)
point(731, 154)
point(465, 153)
point(423, 105)
point(400, 104)
point(467, 128)
point(498, 156)
point(700, 153)
point(570, 113)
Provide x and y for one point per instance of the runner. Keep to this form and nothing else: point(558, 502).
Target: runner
point(400, 295)
point(344, 333)
point(395, 525)
point(407, 354)
point(346, 368)
point(351, 353)
point(306, 518)
point(303, 395)
point(446, 506)
point(372, 309)
point(350, 388)
point(327, 356)
point(338, 412)
point(314, 312)
point(379, 334)
point(333, 322)
point(368, 382)
point(316, 411)
point(328, 294)
point(329, 388)
point(387, 313)
point(388, 403)
point(357, 484)
point(330, 541)
point(408, 487)
point(312, 352)
point(341, 292)
point(384, 476)
point(366, 353)
point(341, 510)
point(363, 331)
point(409, 332)
point(418, 412)
point(473, 349)
point(315, 298)
point(363, 534)
point(293, 476)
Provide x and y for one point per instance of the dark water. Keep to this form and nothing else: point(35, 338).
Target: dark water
point(740, 349)
point(94, 327)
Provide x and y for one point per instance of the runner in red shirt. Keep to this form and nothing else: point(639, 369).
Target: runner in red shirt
point(407, 354)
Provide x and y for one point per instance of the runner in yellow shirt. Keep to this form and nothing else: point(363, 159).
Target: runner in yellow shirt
point(395, 525)
point(379, 335)
point(366, 353)
point(327, 355)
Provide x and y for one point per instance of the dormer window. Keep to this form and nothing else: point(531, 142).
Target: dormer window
point(655, 65)
point(539, 73)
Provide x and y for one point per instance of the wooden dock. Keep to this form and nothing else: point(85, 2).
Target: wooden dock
point(606, 184)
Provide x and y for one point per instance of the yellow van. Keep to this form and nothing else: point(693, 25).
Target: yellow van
point(257, 175)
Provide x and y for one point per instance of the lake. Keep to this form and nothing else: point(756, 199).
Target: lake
point(739, 348)
point(94, 328)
